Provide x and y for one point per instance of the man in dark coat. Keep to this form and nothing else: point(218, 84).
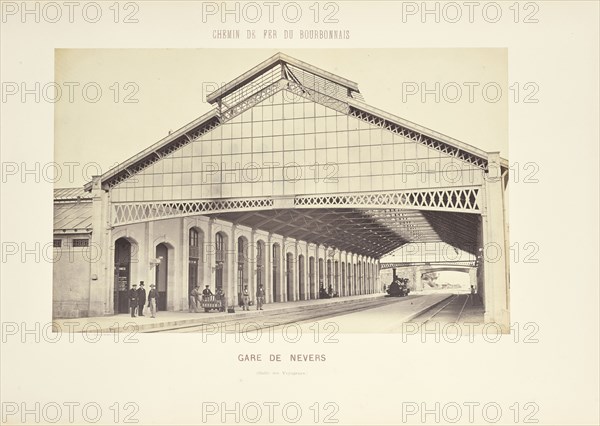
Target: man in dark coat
point(141, 293)
point(133, 299)
point(206, 292)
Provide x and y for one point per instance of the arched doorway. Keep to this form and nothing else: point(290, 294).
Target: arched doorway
point(336, 278)
point(276, 266)
point(162, 276)
point(289, 268)
point(301, 283)
point(242, 267)
point(311, 277)
point(321, 272)
point(329, 284)
point(343, 287)
point(122, 276)
point(260, 263)
point(195, 241)
point(349, 279)
point(220, 258)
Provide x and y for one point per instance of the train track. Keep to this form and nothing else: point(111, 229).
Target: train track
point(280, 319)
point(449, 309)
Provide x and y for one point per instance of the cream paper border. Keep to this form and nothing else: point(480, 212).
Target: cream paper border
point(169, 376)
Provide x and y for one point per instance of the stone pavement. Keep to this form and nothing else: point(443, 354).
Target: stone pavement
point(164, 319)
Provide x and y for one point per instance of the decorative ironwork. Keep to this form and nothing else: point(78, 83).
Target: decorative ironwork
point(124, 213)
point(457, 200)
point(448, 264)
point(418, 137)
point(318, 97)
point(252, 100)
point(464, 200)
point(167, 149)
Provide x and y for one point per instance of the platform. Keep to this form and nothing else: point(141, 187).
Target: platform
point(416, 305)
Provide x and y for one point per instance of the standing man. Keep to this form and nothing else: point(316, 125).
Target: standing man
point(195, 299)
point(152, 298)
point(141, 293)
point(472, 295)
point(133, 299)
point(260, 297)
point(245, 298)
point(221, 296)
point(206, 292)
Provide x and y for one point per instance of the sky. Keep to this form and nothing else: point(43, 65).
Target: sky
point(145, 93)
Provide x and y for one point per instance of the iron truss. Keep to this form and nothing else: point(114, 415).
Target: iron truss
point(350, 230)
point(419, 137)
point(440, 264)
point(227, 113)
point(154, 156)
point(295, 86)
point(125, 213)
point(464, 200)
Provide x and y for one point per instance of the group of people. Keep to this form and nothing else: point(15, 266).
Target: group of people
point(326, 294)
point(260, 298)
point(137, 300)
point(196, 297)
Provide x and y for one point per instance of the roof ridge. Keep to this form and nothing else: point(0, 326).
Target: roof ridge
point(268, 64)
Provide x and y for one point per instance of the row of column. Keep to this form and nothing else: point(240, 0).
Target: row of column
point(289, 269)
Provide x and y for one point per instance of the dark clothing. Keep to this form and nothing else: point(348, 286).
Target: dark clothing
point(141, 293)
point(152, 301)
point(152, 294)
point(245, 299)
point(133, 300)
point(260, 298)
point(206, 292)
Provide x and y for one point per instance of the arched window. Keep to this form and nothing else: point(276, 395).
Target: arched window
point(276, 258)
point(193, 258)
point(219, 260)
point(329, 280)
point(242, 257)
point(260, 263)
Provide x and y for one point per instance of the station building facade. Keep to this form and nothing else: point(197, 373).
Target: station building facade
point(293, 182)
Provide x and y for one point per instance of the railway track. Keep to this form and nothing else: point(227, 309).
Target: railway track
point(450, 311)
point(280, 319)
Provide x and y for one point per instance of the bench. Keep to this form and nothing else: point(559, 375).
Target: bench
point(212, 302)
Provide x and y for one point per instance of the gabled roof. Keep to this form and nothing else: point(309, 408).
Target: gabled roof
point(267, 65)
point(269, 77)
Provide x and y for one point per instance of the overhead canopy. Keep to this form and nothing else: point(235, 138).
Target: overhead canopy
point(369, 232)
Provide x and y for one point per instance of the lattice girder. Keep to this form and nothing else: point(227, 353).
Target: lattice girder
point(463, 200)
point(419, 137)
point(155, 156)
point(126, 213)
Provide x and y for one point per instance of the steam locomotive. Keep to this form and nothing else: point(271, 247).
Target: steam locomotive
point(398, 287)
